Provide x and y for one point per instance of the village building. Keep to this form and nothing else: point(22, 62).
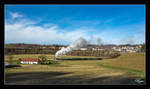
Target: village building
point(126, 48)
point(30, 61)
point(97, 49)
point(83, 49)
point(61, 47)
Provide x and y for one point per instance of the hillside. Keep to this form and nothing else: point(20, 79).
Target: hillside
point(134, 61)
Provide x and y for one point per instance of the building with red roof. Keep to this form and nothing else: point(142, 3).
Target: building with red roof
point(30, 61)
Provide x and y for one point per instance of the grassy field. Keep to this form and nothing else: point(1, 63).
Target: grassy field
point(134, 62)
point(122, 70)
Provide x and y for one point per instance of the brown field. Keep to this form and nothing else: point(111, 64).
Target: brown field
point(78, 72)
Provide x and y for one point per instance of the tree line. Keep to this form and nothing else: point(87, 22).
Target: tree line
point(52, 51)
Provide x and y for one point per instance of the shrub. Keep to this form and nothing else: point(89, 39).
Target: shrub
point(114, 55)
point(49, 62)
point(54, 62)
point(43, 58)
point(46, 62)
point(11, 66)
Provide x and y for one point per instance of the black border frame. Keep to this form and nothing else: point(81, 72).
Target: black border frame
point(13, 2)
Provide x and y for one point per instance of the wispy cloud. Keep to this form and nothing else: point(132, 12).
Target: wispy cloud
point(15, 15)
point(109, 20)
point(27, 31)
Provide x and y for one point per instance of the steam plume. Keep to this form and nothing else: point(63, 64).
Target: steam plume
point(128, 40)
point(81, 42)
point(99, 41)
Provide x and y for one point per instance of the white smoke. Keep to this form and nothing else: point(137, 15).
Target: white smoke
point(99, 41)
point(81, 42)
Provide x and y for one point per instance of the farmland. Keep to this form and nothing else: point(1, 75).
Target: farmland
point(122, 70)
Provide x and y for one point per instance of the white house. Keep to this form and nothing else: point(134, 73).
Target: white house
point(30, 61)
point(83, 49)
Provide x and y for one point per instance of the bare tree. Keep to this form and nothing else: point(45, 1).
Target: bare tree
point(43, 58)
point(10, 58)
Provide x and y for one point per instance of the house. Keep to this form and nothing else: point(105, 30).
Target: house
point(30, 61)
point(83, 49)
point(97, 48)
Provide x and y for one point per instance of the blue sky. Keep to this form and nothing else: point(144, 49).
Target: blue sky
point(62, 24)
